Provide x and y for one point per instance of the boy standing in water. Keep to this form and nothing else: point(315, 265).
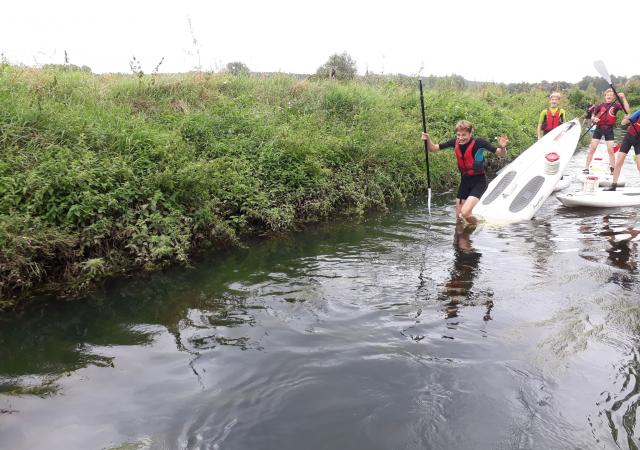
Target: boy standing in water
point(552, 116)
point(631, 139)
point(469, 152)
point(604, 117)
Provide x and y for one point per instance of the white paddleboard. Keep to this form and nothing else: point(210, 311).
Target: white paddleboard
point(601, 199)
point(604, 177)
point(521, 188)
point(600, 167)
point(601, 155)
point(563, 183)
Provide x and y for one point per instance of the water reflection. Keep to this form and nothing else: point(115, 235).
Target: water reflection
point(619, 402)
point(458, 290)
point(623, 249)
point(613, 235)
point(43, 345)
point(305, 340)
point(543, 242)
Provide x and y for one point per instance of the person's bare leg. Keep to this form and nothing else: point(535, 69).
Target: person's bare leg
point(592, 150)
point(618, 167)
point(612, 155)
point(459, 204)
point(467, 209)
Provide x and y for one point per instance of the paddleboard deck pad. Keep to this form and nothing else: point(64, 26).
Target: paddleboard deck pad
point(500, 187)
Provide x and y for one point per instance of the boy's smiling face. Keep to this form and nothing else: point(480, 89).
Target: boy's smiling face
point(609, 96)
point(463, 136)
point(553, 101)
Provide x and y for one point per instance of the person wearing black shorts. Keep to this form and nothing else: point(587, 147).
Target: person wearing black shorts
point(469, 153)
point(604, 116)
point(631, 139)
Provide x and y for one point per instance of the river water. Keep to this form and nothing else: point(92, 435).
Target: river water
point(396, 332)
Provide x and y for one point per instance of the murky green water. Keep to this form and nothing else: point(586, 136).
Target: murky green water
point(394, 333)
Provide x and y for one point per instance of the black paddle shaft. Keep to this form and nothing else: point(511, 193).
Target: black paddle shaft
point(424, 129)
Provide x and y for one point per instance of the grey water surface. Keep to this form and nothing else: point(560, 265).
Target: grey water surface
point(396, 332)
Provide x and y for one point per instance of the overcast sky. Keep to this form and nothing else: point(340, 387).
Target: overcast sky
point(489, 40)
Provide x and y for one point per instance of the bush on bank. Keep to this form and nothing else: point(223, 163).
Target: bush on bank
point(105, 174)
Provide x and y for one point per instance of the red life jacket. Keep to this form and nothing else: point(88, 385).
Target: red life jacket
point(634, 128)
point(466, 163)
point(552, 120)
point(606, 114)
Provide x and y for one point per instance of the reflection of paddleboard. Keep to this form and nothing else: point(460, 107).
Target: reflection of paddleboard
point(523, 186)
point(602, 199)
point(627, 237)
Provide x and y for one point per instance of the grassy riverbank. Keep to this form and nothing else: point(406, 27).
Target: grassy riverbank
point(105, 174)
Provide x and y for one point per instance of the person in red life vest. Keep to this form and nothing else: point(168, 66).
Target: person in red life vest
point(631, 139)
point(551, 117)
point(588, 114)
point(469, 152)
point(604, 117)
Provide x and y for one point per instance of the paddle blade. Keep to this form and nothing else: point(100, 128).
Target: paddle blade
point(429, 201)
point(602, 70)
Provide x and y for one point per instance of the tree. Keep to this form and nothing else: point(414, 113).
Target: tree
point(577, 98)
point(632, 90)
point(344, 66)
point(67, 68)
point(237, 67)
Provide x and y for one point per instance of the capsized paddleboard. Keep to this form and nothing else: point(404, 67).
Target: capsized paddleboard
point(521, 188)
point(601, 199)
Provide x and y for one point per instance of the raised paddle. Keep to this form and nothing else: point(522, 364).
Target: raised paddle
point(426, 148)
point(604, 73)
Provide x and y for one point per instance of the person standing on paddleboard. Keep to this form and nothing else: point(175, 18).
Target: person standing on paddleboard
point(552, 116)
point(588, 114)
point(631, 139)
point(604, 117)
point(469, 152)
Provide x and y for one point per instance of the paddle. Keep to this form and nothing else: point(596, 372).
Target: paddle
point(604, 73)
point(584, 134)
point(426, 148)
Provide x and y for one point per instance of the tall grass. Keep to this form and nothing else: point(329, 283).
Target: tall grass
point(103, 174)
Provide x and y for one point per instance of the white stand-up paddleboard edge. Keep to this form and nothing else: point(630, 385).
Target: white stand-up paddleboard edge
point(601, 199)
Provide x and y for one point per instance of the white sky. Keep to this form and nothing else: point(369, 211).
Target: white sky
point(488, 40)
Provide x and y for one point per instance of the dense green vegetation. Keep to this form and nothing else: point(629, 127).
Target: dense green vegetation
point(105, 174)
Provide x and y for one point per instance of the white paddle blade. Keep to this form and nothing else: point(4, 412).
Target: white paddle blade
point(602, 70)
point(429, 201)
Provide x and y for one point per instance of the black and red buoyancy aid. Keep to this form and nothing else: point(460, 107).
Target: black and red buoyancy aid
point(634, 128)
point(553, 120)
point(606, 114)
point(466, 163)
